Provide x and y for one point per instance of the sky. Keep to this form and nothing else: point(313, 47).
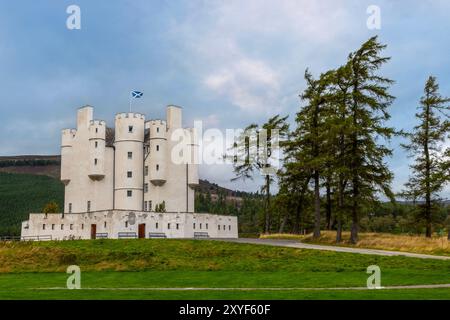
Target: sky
point(227, 63)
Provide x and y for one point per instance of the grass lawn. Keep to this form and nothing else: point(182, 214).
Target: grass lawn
point(169, 263)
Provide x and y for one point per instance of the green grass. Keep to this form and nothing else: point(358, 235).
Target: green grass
point(171, 263)
point(21, 194)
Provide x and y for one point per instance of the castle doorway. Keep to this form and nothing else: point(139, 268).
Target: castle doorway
point(93, 231)
point(141, 231)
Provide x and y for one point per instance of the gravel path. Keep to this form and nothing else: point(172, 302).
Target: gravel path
point(300, 245)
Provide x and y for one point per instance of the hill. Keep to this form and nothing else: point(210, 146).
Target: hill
point(21, 194)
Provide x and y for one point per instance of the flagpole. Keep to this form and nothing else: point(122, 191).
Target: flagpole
point(130, 101)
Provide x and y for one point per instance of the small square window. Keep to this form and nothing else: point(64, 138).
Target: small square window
point(130, 155)
point(129, 174)
point(129, 193)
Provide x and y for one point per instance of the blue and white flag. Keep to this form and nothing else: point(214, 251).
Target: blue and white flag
point(136, 94)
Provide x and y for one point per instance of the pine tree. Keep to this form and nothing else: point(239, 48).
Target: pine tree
point(253, 150)
point(309, 138)
point(430, 169)
point(368, 112)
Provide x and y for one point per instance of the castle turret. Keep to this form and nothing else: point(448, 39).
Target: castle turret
point(67, 137)
point(193, 161)
point(156, 161)
point(129, 160)
point(97, 149)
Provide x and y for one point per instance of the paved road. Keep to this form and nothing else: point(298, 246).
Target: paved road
point(300, 245)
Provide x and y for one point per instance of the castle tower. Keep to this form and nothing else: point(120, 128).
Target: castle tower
point(97, 149)
point(129, 160)
point(67, 138)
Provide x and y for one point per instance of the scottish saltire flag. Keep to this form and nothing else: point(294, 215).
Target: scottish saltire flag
point(136, 94)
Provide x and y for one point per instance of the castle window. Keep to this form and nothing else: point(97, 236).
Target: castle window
point(96, 144)
point(156, 225)
point(129, 193)
point(149, 206)
point(157, 147)
point(104, 224)
point(53, 227)
point(43, 226)
point(89, 206)
point(126, 224)
point(168, 226)
point(178, 226)
point(193, 225)
point(71, 227)
point(146, 170)
point(200, 225)
point(206, 226)
point(95, 161)
point(130, 129)
point(82, 226)
point(145, 205)
point(157, 167)
point(218, 227)
point(145, 187)
point(96, 130)
point(157, 129)
point(70, 208)
point(129, 174)
point(62, 227)
point(224, 227)
point(229, 227)
point(130, 155)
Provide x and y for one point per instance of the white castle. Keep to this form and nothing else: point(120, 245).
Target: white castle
point(129, 182)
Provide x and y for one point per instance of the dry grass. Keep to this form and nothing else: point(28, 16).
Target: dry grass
point(283, 236)
point(386, 241)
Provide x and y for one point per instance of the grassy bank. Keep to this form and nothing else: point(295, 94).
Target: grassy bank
point(30, 269)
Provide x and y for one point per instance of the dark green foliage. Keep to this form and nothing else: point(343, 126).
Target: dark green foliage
point(21, 194)
point(430, 171)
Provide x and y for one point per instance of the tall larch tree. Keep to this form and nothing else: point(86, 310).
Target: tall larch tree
point(368, 110)
point(430, 170)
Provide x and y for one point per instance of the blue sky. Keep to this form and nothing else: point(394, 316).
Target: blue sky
point(228, 63)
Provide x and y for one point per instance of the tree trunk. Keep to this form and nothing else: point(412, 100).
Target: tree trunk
point(328, 205)
point(316, 205)
point(340, 211)
point(427, 177)
point(267, 214)
point(283, 224)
